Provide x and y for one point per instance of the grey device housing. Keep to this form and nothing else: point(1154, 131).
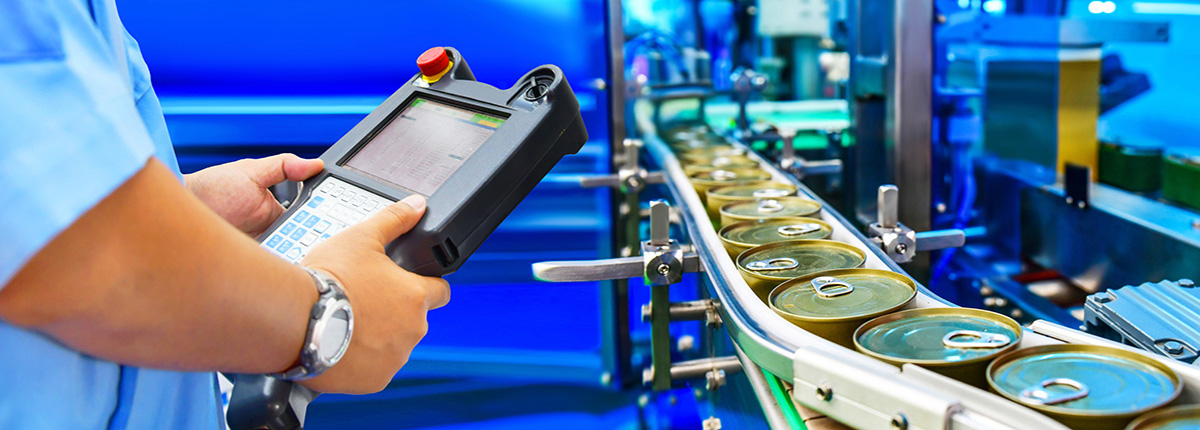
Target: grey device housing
point(543, 124)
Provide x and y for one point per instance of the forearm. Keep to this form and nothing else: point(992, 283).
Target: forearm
point(151, 277)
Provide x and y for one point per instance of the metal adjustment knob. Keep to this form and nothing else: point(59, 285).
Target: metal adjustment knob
point(630, 177)
point(900, 242)
point(798, 166)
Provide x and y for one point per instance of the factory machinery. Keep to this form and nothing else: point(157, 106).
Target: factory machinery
point(1012, 217)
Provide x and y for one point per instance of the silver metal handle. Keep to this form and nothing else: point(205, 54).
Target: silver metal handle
point(773, 264)
point(769, 206)
point(723, 175)
point(770, 193)
point(828, 287)
point(889, 201)
point(975, 339)
point(660, 223)
point(940, 239)
point(1038, 395)
point(602, 270)
point(799, 229)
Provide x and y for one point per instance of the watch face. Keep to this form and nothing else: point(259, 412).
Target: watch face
point(333, 337)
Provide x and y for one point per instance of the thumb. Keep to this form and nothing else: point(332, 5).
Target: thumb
point(394, 220)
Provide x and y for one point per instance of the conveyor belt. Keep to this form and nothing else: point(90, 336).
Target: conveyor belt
point(868, 393)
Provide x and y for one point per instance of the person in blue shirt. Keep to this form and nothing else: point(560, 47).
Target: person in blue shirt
point(123, 284)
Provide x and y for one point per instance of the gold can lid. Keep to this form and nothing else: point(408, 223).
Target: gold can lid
point(771, 208)
point(762, 232)
point(709, 152)
point(764, 190)
point(729, 176)
point(789, 259)
point(938, 335)
point(843, 294)
point(1083, 380)
point(1175, 418)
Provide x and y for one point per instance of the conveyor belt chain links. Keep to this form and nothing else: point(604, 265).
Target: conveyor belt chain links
point(630, 176)
point(900, 242)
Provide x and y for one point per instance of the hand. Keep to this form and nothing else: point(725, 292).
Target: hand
point(238, 191)
point(389, 302)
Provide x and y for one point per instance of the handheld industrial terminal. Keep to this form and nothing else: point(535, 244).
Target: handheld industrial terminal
point(472, 150)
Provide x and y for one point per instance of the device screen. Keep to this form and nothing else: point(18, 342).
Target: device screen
point(425, 144)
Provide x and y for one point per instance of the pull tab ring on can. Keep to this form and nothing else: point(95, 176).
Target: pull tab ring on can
point(770, 193)
point(975, 339)
point(769, 206)
point(1038, 395)
point(723, 175)
point(773, 264)
point(799, 229)
point(829, 287)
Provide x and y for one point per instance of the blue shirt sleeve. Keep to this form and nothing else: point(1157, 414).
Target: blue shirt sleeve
point(70, 132)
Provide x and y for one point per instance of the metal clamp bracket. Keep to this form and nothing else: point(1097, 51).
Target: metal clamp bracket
point(800, 167)
point(630, 176)
point(900, 242)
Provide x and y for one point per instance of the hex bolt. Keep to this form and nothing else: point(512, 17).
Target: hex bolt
point(664, 269)
point(899, 422)
point(825, 392)
point(1017, 314)
point(901, 248)
point(1173, 347)
point(685, 343)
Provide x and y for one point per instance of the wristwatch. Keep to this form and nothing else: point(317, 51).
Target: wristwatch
point(330, 325)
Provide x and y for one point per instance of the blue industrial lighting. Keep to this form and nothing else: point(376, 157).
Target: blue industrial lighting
point(1166, 8)
point(994, 6)
point(1102, 7)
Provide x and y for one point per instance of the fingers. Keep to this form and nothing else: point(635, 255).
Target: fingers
point(298, 169)
point(277, 168)
point(394, 220)
point(437, 292)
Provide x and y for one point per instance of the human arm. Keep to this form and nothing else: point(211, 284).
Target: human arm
point(151, 277)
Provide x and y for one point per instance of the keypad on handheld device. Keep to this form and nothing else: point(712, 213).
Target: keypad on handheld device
point(332, 207)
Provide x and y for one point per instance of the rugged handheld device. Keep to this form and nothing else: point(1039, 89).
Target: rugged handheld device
point(473, 150)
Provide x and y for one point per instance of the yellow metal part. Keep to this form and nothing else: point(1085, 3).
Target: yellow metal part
point(1078, 111)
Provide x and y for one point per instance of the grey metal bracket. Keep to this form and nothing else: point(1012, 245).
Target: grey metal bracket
point(900, 242)
point(662, 263)
point(800, 167)
point(630, 177)
point(746, 82)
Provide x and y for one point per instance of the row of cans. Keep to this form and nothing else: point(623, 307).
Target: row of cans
point(781, 249)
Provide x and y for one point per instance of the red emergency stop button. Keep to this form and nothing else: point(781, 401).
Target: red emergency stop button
point(433, 64)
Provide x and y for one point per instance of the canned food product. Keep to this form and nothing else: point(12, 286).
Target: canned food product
point(1180, 174)
point(1084, 386)
point(716, 178)
point(718, 163)
point(956, 342)
point(1176, 418)
point(697, 155)
point(767, 208)
point(720, 196)
point(765, 266)
point(1133, 166)
point(832, 304)
point(741, 236)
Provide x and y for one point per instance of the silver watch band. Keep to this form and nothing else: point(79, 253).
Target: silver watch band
point(332, 303)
